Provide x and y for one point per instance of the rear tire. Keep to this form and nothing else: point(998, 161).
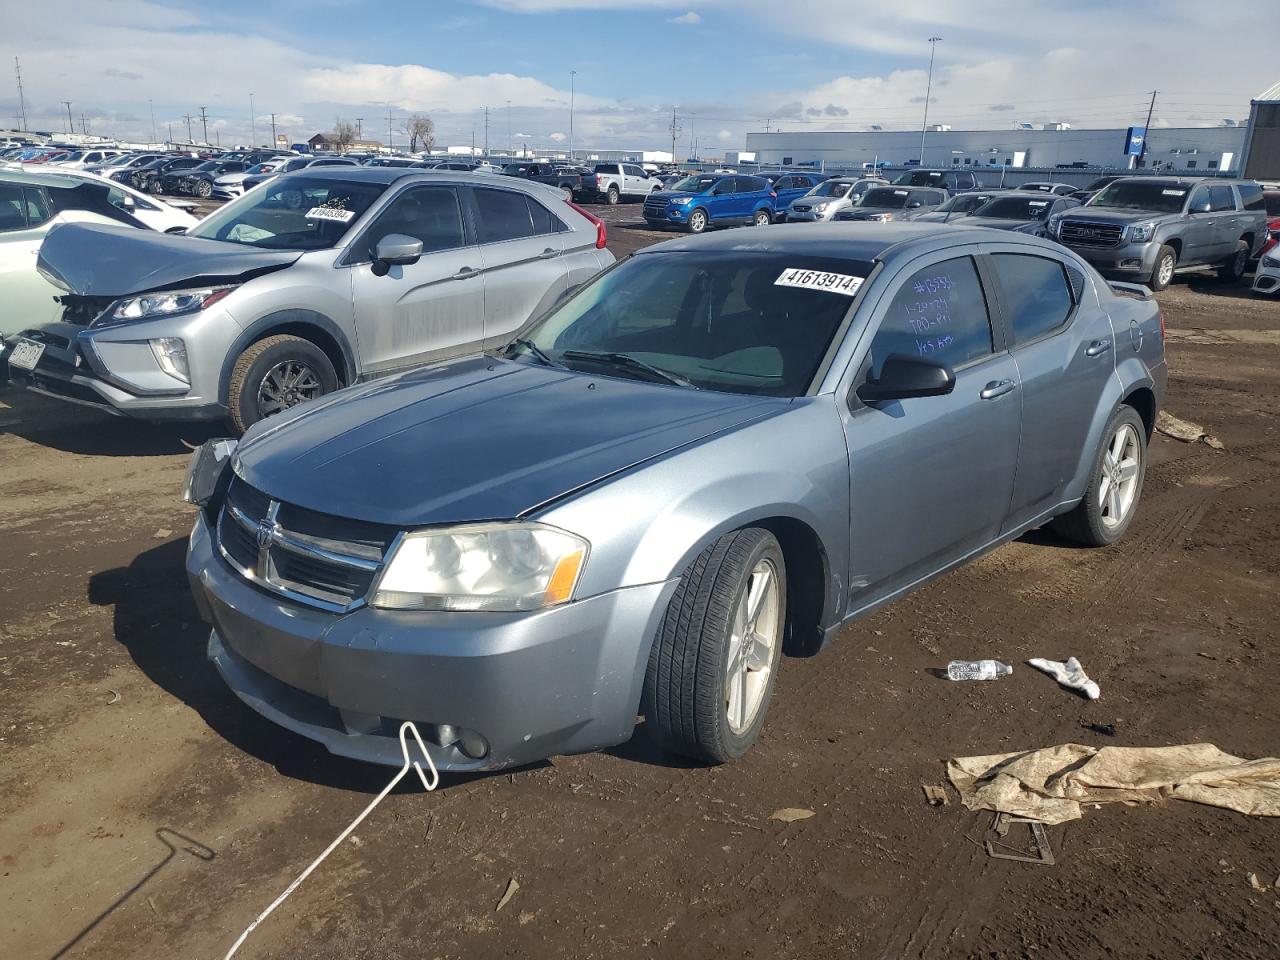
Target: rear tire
point(274, 374)
point(612, 196)
point(697, 221)
point(1233, 268)
point(203, 188)
point(1162, 273)
point(715, 660)
point(1108, 507)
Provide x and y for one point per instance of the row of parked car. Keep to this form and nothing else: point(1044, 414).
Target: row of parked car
point(539, 508)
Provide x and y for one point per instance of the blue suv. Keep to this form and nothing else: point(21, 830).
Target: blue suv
point(789, 185)
point(712, 199)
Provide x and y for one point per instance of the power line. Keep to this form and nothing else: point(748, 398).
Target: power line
point(22, 102)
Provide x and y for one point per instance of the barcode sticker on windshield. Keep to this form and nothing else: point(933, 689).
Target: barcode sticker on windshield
point(330, 213)
point(819, 280)
point(1037, 203)
point(1174, 193)
point(900, 193)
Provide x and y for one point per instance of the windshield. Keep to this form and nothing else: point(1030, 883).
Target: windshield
point(210, 165)
point(1015, 208)
point(757, 323)
point(918, 178)
point(291, 213)
point(963, 203)
point(1100, 183)
point(1161, 196)
point(694, 184)
point(831, 188)
point(886, 197)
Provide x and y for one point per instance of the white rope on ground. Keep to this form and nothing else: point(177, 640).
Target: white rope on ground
point(406, 727)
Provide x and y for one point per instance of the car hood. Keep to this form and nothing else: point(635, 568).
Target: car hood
point(1103, 215)
point(476, 439)
point(109, 261)
point(1003, 223)
point(673, 194)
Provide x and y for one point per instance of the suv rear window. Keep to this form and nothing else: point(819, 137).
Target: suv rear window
point(886, 197)
point(1251, 197)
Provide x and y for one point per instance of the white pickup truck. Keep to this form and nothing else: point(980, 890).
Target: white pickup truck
point(614, 181)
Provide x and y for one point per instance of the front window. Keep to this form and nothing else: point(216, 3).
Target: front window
point(694, 184)
point(756, 323)
point(1160, 196)
point(886, 198)
point(291, 213)
point(1014, 208)
point(831, 188)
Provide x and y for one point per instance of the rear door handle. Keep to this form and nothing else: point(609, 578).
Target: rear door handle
point(548, 253)
point(1097, 348)
point(997, 388)
point(465, 272)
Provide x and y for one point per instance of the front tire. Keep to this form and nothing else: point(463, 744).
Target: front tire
point(1233, 268)
point(203, 188)
point(762, 218)
point(1162, 273)
point(715, 660)
point(1115, 485)
point(697, 221)
point(275, 374)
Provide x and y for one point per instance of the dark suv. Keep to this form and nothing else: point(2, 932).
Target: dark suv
point(1150, 227)
point(953, 181)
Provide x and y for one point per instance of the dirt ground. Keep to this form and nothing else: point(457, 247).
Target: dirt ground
point(146, 813)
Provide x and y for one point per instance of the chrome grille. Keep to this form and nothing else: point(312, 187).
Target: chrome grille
point(1080, 233)
point(313, 558)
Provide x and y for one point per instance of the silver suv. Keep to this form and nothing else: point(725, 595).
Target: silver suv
point(315, 281)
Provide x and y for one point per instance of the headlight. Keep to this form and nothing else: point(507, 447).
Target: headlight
point(1054, 224)
point(821, 207)
point(171, 354)
point(206, 470)
point(167, 302)
point(880, 217)
point(681, 200)
point(1141, 232)
point(488, 566)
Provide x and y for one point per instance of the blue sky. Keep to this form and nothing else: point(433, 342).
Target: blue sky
point(727, 66)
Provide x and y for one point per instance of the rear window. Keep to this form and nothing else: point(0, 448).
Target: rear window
point(1035, 294)
point(1015, 208)
point(757, 323)
point(1160, 196)
point(918, 178)
point(887, 197)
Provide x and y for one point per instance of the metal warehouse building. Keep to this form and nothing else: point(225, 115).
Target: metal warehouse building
point(1197, 149)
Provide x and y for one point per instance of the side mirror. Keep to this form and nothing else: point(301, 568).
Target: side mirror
point(395, 250)
point(914, 205)
point(902, 377)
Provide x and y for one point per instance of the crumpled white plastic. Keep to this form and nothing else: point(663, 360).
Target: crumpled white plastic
point(1069, 673)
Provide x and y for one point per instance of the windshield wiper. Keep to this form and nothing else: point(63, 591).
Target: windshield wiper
point(631, 363)
point(539, 354)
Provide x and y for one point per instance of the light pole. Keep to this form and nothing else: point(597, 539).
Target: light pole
point(152, 105)
point(572, 74)
point(509, 128)
point(253, 126)
point(928, 90)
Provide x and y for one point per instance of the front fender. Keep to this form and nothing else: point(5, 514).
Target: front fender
point(294, 318)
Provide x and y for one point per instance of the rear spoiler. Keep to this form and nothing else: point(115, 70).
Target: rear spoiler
point(1135, 291)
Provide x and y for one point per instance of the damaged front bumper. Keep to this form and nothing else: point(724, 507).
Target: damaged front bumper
point(487, 690)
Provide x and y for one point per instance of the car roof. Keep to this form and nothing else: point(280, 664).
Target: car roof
point(864, 242)
point(62, 179)
point(1016, 194)
point(389, 175)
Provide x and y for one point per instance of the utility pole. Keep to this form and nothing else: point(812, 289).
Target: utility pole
point(22, 102)
point(572, 74)
point(675, 132)
point(390, 135)
point(928, 91)
point(71, 124)
point(359, 128)
point(152, 105)
point(84, 124)
point(508, 127)
point(486, 131)
point(190, 136)
point(1146, 131)
point(273, 130)
point(253, 125)
point(768, 123)
point(169, 142)
point(204, 125)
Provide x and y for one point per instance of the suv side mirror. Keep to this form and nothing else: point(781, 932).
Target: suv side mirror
point(914, 205)
point(395, 249)
point(902, 377)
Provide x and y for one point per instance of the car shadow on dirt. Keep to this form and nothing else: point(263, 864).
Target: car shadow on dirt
point(155, 620)
point(93, 433)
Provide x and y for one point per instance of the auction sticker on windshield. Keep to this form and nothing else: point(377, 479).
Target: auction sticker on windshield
point(330, 213)
point(819, 280)
point(1173, 193)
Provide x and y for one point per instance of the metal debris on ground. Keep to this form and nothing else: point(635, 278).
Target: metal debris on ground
point(936, 794)
point(1185, 430)
point(791, 814)
point(1003, 851)
point(1106, 729)
point(512, 886)
point(1069, 674)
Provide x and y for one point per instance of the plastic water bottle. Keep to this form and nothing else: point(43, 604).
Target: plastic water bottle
point(977, 669)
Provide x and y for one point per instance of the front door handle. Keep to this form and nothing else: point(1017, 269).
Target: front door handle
point(465, 272)
point(1097, 348)
point(548, 253)
point(997, 388)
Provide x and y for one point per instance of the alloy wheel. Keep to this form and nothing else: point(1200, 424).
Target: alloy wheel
point(1119, 486)
point(755, 632)
point(1165, 272)
point(286, 384)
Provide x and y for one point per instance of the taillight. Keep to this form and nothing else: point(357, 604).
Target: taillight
point(602, 233)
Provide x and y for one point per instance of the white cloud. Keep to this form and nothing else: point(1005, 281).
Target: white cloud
point(559, 137)
point(690, 18)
